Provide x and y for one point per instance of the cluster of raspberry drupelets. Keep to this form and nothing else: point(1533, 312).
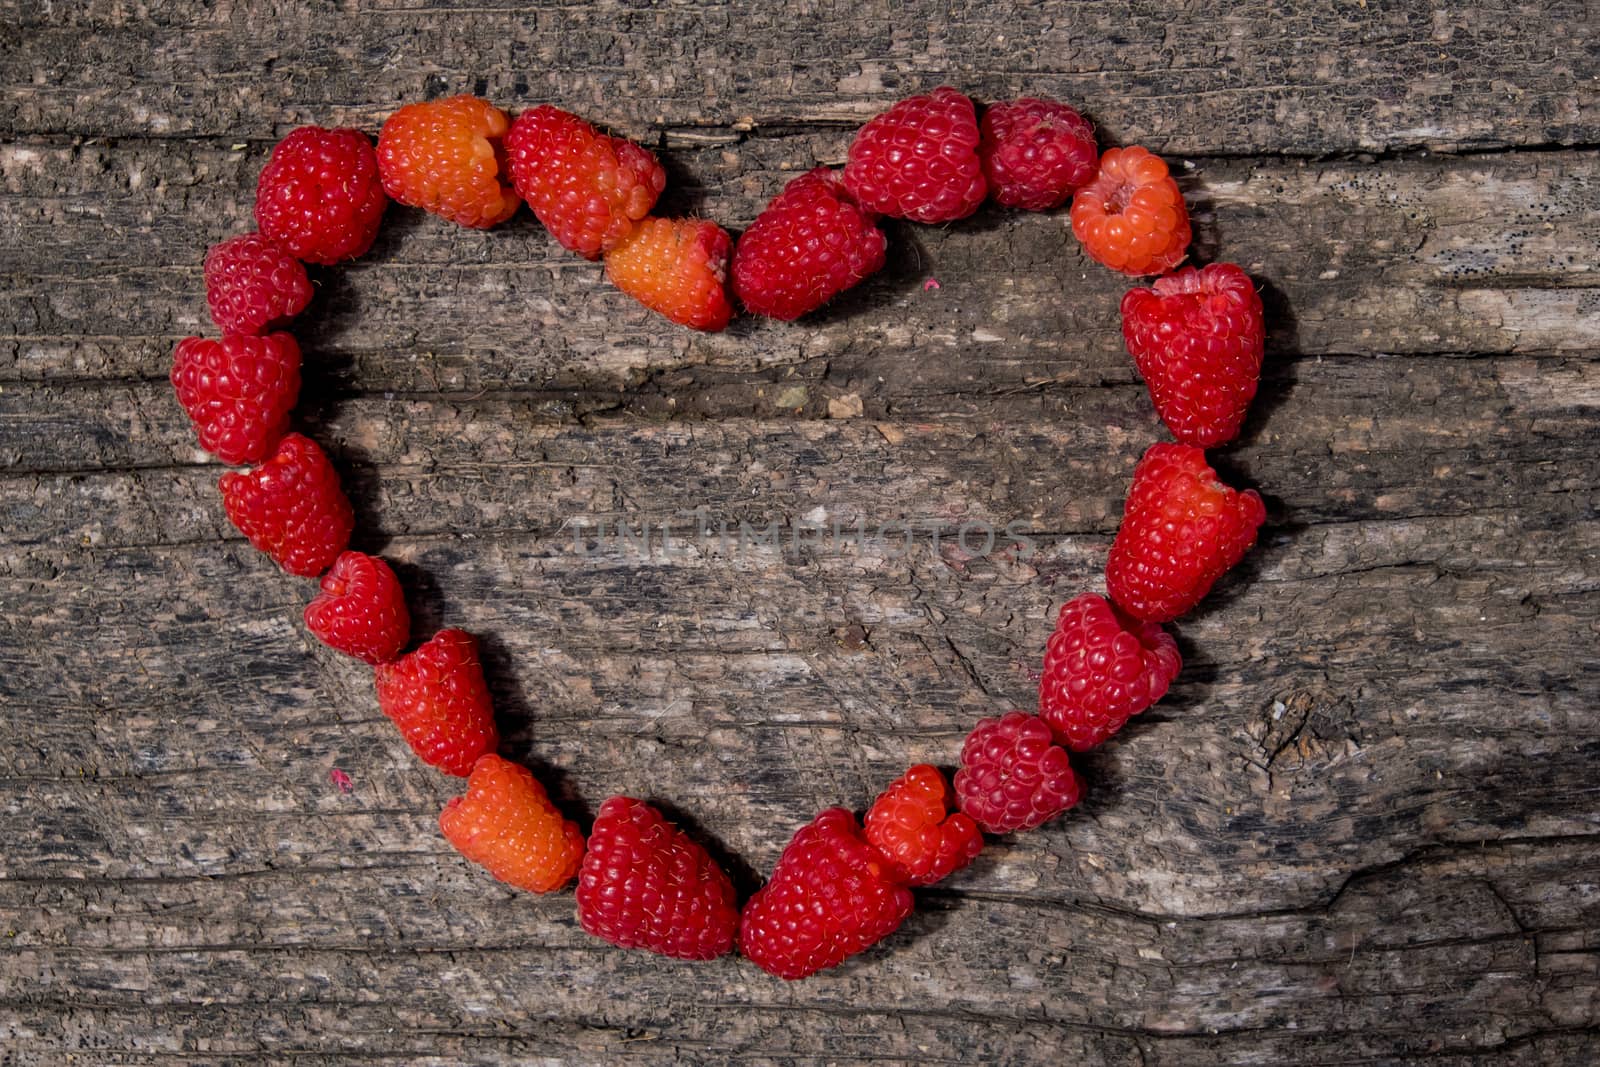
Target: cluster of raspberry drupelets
point(842, 884)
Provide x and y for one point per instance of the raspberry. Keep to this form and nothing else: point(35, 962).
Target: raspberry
point(253, 286)
point(238, 392)
point(910, 825)
point(361, 610)
point(1198, 338)
point(919, 160)
point(586, 187)
point(1131, 218)
point(809, 245)
point(319, 198)
point(291, 507)
point(830, 897)
point(1012, 777)
point(1100, 668)
point(677, 267)
point(507, 825)
point(436, 695)
point(1182, 529)
point(646, 884)
point(444, 156)
point(1036, 153)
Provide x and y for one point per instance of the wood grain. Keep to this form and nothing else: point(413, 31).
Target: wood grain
point(1363, 827)
point(1179, 77)
point(1463, 256)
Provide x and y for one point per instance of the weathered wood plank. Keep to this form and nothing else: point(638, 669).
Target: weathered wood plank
point(1425, 256)
point(192, 783)
point(619, 638)
point(1335, 440)
point(1253, 79)
point(1210, 791)
point(1361, 829)
point(1128, 985)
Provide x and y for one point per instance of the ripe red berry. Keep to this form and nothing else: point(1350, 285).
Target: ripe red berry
point(319, 198)
point(829, 897)
point(292, 507)
point(1132, 217)
point(646, 884)
point(1036, 153)
point(361, 610)
point(1198, 338)
point(919, 160)
point(1012, 776)
point(911, 825)
point(438, 698)
point(507, 825)
point(445, 157)
point(678, 268)
point(1182, 529)
point(809, 245)
point(253, 286)
point(238, 392)
point(1100, 668)
point(586, 187)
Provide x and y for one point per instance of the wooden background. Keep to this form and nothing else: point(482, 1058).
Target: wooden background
point(1363, 828)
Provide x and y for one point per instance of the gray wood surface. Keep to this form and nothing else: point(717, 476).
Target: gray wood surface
point(1363, 828)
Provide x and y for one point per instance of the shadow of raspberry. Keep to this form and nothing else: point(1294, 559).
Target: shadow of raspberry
point(1278, 369)
point(518, 721)
point(337, 307)
point(906, 268)
point(424, 600)
point(686, 192)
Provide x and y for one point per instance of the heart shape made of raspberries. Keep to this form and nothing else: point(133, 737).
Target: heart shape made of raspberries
point(843, 884)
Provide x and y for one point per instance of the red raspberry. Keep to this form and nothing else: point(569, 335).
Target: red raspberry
point(677, 267)
point(646, 884)
point(361, 610)
point(586, 187)
point(809, 245)
point(911, 826)
point(1012, 777)
point(1182, 529)
point(291, 507)
point(319, 198)
point(1036, 153)
point(830, 897)
point(1198, 338)
point(919, 160)
point(436, 695)
point(1100, 668)
point(253, 286)
point(507, 825)
point(238, 392)
point(1132, 218)
point(444, 156)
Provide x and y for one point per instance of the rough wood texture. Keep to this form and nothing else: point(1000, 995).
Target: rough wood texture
point(1362, 829)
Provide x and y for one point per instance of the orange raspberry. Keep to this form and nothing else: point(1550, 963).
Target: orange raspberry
point(678, 267)
point(1131, 217)
point(507, 825)
point(445, 156)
